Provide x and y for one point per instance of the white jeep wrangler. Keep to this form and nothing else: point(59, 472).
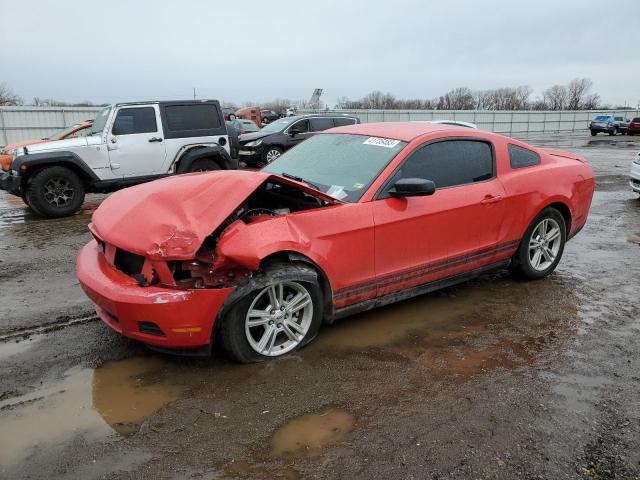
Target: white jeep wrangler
point(129, 143)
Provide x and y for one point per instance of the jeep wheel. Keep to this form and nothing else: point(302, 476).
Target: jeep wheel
point(204, 165)
point(279, 312)
point(55, 192)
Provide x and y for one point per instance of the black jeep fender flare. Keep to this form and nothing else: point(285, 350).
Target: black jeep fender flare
point(218, 153)
point(24, 164)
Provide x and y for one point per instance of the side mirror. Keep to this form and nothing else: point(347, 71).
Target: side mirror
point(293, 133)
point(413, 187)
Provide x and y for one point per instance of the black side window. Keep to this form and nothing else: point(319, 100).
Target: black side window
point(450, 163)
point(135, 120)
point(191, 117)
point(300, 127)
point(341, 122)
point(320, 124)
point(521, 157)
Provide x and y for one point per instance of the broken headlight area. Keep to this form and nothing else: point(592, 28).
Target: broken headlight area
point(210, 269)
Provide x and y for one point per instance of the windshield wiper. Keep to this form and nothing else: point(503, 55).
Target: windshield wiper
point(300, 179)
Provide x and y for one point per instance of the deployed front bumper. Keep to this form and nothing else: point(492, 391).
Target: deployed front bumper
point(184, 318)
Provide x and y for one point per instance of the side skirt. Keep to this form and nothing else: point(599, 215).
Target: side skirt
point(415, 291)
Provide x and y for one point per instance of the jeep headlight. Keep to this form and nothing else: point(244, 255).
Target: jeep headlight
point(255, 143)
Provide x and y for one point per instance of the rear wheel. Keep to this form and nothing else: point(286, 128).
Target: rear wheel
point(204, 165)
point(541, 247)
point(593, 133)
point(55, 192)
point(614, 131)
point(280, 312)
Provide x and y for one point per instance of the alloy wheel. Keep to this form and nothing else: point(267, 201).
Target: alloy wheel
point(58, 192)
point(272, 155)
point(279, 318)
point(544, 244)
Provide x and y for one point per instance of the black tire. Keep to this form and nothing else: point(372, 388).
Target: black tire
point(593, 133)
point(521, 265)
point(55, 192)
point(203, 165)
point(631, 134)
point(270, 154)
point(614, 131)
point(234, 336)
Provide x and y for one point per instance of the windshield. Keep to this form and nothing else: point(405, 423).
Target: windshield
point(100, 121)
point(58, 134)
point(602, 117)
point(278, 125)
point(341, 165)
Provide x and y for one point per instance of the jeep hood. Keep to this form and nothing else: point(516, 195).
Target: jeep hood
point(170, 218)
point(54, 145)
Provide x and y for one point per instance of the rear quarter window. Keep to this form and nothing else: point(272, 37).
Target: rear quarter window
point(522, 157)
point(191, 117)
point(341, 122)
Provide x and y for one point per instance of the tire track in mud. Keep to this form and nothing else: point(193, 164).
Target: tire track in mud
point(58, 324)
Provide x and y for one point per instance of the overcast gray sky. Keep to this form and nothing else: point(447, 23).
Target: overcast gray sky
point(257, 50)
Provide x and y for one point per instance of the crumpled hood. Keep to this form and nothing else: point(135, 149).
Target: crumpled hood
point(249, 137)
point(171, 217)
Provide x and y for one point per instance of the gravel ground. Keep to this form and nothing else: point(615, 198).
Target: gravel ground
point(494, 378)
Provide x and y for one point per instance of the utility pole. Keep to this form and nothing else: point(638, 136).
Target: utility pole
point(194, 93)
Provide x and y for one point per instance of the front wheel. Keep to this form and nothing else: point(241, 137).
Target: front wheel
point(271, 153)
point(541, 247)
point(280, 313)
point(55, 192)
point(593, 133)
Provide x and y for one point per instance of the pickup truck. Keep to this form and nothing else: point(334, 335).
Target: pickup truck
point(129, 143)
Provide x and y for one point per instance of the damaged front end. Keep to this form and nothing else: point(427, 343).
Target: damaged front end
point(182, 257)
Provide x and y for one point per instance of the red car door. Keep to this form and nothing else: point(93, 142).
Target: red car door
point(423, 239)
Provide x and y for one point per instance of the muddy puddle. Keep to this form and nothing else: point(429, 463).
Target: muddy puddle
point(309, 434)
point(111, 400)
point(465, 330)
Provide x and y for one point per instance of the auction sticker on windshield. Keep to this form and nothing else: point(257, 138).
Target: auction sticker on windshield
point(381, 142)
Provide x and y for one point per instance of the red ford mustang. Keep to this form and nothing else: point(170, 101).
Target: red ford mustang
point(354, 218)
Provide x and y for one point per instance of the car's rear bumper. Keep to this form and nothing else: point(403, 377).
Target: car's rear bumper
point(161, 317)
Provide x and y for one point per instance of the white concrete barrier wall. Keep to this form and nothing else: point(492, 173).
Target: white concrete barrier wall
point(22, 123)
point(508, 122)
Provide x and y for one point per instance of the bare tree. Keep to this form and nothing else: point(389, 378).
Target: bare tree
point(457, 99)
point(577, 90)
point(556, 97)
point(8, 97)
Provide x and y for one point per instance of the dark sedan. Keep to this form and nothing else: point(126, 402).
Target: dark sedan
point(265, 146)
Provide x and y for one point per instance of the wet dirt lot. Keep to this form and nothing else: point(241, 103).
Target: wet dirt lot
point(495, 378)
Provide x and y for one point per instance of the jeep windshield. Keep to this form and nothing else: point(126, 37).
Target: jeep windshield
point(100, 121)
point(341, 165)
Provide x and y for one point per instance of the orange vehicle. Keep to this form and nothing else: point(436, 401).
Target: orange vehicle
point(79, 129)
point(250, 113)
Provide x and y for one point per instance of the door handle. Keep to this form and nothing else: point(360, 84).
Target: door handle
point(489, 199)
point(155, 139)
